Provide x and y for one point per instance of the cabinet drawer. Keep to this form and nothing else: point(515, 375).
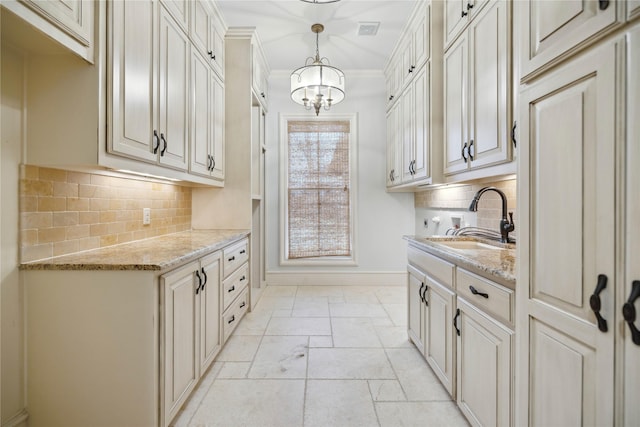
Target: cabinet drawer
point(234, 313)
point(431, 265)
point(234, 284)
point(498, 301)
point(234, 256)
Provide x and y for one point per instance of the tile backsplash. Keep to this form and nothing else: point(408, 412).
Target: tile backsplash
point(457, 198)
point(62, 212)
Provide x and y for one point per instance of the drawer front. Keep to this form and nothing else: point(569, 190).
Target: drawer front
point(234, 256)
point(234, 284)
point(433, 266)
point(234, 314)
point(491, 297)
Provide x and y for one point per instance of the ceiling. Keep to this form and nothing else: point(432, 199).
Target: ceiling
point(284, 29)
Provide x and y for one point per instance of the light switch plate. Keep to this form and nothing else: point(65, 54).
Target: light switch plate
point(146, 216)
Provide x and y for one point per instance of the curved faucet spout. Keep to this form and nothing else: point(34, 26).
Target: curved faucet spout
point(506, 225)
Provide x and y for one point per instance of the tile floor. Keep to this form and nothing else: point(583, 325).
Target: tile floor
point(321, 356)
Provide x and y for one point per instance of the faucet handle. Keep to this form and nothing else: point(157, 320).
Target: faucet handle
point(511, 217)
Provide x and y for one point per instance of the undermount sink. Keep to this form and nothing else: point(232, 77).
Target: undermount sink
point(468, 244)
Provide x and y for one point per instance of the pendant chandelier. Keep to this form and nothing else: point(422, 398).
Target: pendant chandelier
point(317, 85)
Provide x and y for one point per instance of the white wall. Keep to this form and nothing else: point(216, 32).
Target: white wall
point(382, 218)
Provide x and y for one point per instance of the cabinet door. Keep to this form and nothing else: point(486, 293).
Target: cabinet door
point(200, 28)
point(180, 332)
point(484, 368)
point(201, 114)
point(440, 335)
point(394, 154)
point(420, 33)
point(489, 81)
point(551, 29)
point(217, 46)
point(407, 134)
point(421, 123)
point(217, 152)
point(210, 312)
point(179, 9)
point(74, 17)
point(455, 114)
point(455, 18)
point(173, 92)
point(405, 57)
point(570, 133)
point(133, 74)
point(416, 307)
point(631, 366)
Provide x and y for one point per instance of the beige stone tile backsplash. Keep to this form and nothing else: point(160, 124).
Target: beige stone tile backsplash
point(460, 196)
point(62, 212)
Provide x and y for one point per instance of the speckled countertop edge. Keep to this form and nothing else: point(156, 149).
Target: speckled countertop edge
point(155, 254)
point(498, 265)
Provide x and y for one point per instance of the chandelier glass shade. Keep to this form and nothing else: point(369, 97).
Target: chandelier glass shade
point(317, 85)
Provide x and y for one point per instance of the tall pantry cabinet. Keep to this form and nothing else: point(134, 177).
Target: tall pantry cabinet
point(576, 360)
point(240, 204)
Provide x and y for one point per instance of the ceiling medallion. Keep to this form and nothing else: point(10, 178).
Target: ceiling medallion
point(317, 85)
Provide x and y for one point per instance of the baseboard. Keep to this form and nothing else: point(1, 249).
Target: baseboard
point(316, 278)
point(18, 420)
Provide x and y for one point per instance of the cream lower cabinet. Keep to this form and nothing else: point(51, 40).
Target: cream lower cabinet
point(631, 276)
point(567, 326)
point(465, 335)
point(190, 329)
point(484, 354)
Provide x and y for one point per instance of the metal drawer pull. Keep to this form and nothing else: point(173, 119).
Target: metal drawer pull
point(243, 304)
point(233, 318)
point(199, 282)
point(243, 278)
point(243, 252)
point(455, 321)
point(231, 289)
point(420, 292)
point(629, 311)
point(424, 295)
point(233, 258)
point(595, 303)
point(475, 292)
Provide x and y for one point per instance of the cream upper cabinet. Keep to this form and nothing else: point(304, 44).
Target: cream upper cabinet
point(483, 356)
point(394, 153)
point(133, 53)
point(207, 119)
point(553, 30)
point(173, 91)
point(207, 34)
point(179, 10)
point(631, 276)
point(414, 112)
point(566, 315)
point(70, 22)
point(150, 84)
point(478, 92)
point(457, 15)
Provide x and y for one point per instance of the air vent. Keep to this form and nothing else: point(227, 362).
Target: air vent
point(368, 28)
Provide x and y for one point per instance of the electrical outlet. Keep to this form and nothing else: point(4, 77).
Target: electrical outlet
point(146, 216)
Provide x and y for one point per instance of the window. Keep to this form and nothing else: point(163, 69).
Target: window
point(318, 211)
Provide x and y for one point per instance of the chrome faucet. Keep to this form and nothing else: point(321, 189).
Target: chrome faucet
point(506, 225)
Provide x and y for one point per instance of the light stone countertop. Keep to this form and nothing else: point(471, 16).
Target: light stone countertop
point(497, 265)
point(156, 253)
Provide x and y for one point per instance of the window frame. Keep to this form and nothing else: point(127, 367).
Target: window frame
point(353, 191)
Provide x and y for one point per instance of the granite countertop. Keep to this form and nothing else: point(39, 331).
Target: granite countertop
point(156, 253)
point(498, 265)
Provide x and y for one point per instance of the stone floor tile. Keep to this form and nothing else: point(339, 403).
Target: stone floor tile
point(299, 326)
point(416, 377)
point(356, 310)
point(420, 414)
point(239, 348)
point(349, 363)
point(386, 391)
point(354, 332)
point(338, 403)
point(281, 357)
point(310, 307)
point(234, 370)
